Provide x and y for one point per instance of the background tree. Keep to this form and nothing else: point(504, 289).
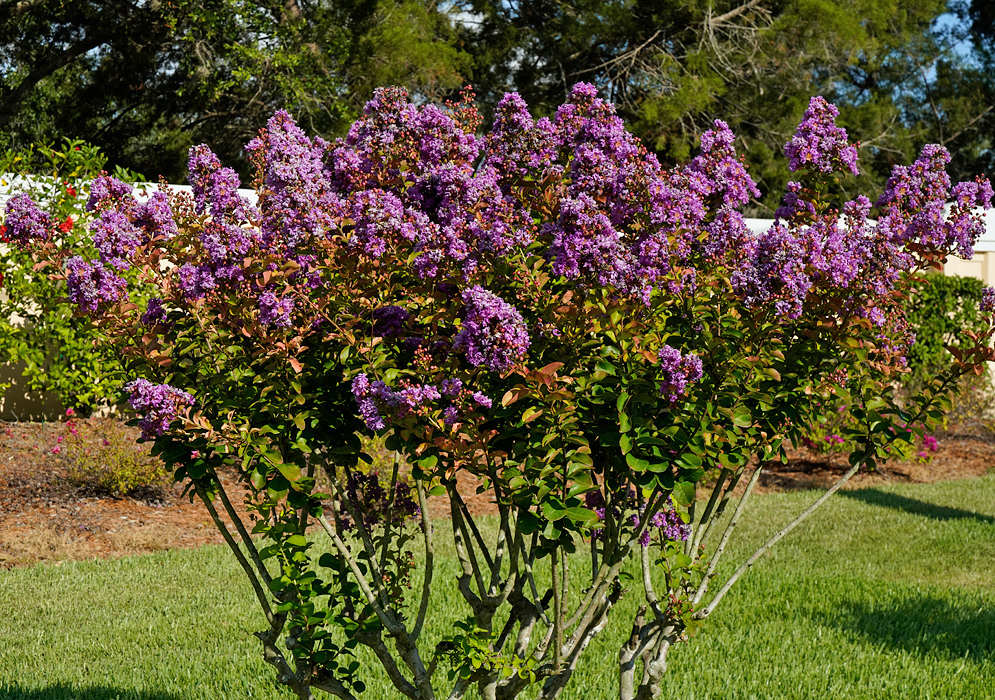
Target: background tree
point(145, 80)
point(901, 78)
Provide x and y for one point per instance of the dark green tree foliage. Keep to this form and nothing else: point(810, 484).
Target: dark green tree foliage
point(674, 65)
point(145, 79)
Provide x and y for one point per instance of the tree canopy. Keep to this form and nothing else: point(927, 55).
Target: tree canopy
point(146, 79)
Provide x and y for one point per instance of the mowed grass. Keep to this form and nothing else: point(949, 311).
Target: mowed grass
point(884, 593)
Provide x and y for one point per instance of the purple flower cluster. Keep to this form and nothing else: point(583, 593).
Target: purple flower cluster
point(622, 221)
point(987, 305)
point(373, 501)
point(25, 222)
point(156, 216)
point(194, 281)
point(155, 313)
point(116, 238)
point(818, 144)
point(677, 370)
point(388, 321)
point(409, 183)
point(158, 404)
point(378, 403)
point(915, 205)
point(298, 201)
point(719, 181)
point(274, 311)
point(91, 283)
point(667, 521)
point(849, 256)
point(670, 525)
point(108, 190)
point(494, 333)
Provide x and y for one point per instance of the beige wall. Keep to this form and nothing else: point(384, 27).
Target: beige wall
point(982, 266)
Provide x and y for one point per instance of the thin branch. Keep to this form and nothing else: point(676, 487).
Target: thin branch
point(236, 550)
point(705, 612)
point(243, 533)
point(426, 529)
point(726, 535)
point(388, 621)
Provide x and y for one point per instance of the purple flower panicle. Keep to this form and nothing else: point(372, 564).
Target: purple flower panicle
point(677, 370)
point(494, 333)
point(105, 188)
point(274, 311)
point(25, 221)
point(388, 321)
point(820, 145)
point(158, 404)
point(91, 283)
point(988, 300)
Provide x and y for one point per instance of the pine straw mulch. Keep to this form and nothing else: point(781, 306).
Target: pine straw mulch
point(44, 518)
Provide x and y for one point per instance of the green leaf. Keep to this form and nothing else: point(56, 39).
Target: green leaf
point(625, 443)
point(684, 492)
point(297, 541)
point(582, 515)
point(438, 490)
point(527, 522)
point(291, 471)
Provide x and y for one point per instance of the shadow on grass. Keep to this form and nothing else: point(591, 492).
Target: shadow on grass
point(915, 507)
point(922, 625)
point(60, 691)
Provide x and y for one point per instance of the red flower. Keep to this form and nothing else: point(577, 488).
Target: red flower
point(67, 225)
point(71, 191)
point(3, 233)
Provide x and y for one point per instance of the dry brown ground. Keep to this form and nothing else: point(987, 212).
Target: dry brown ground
point(44, 518)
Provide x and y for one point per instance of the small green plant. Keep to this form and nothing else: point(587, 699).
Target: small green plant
point(102, 455)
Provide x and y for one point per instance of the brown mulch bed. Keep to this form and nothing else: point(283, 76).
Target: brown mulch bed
point(45, 518)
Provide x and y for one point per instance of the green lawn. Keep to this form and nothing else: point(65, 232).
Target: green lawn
point(885, 593)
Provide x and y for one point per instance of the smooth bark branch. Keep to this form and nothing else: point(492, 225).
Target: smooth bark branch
point(374, 641)
point(243, 533)
point(389, 516)
point(701, 614)
point(287, 677)
point(476, 534)
point(467, 557)
point(701, 525)
point(527, 561)
point(720, 511)
point(426, 529)
point(237, 551)
point(726, 535)
point(393, 628)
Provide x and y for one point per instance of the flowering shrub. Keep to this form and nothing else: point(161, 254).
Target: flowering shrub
point(101, 455)
point(544, 307)
point(57, 348)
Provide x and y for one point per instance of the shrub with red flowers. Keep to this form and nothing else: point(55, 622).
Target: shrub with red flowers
point(544, 307)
